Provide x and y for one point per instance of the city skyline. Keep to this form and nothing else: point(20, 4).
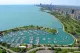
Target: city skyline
point(54, 2)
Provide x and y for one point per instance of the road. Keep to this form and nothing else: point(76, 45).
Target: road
point(7, 49)
point(40, 48)
point(50, 47)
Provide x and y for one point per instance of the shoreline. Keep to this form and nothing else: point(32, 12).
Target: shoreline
point(75, 39)
point(49, 30)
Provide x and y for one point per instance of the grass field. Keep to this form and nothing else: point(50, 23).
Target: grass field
point(66, 51)
point(0, 51)
point(70, 25)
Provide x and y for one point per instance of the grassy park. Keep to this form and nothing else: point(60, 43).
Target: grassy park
point(66, 50)
point(70, 25)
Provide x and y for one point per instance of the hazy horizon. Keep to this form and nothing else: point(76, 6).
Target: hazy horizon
point(30, 2)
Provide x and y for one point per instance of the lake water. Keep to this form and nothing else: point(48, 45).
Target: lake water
point(12, 16)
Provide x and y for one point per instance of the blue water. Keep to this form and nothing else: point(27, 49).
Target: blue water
point(12, 16)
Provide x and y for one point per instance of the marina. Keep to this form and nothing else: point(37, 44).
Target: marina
point(25, 15)
point(34, 37)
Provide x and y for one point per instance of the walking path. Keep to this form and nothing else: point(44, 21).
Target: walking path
point(50, 47)
point(39, 48)
point(7, 49)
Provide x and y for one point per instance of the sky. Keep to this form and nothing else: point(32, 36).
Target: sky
point(55, 2)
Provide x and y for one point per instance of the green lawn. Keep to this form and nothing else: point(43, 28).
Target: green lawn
point(0, 51)
point(15, 49)
point(65, 51)
point(76, 52)
point(33, 52)
point(70, 25)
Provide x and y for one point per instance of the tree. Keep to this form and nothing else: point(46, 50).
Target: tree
point(71, 50)
point(73, 33)
point(4, 51)
point(56, 51)
point(4, 44)
point(69, 45)
point(23, 50)
point(52, 48)
point(34, 46)
point(8, 45)
point(55, 45)
point(64, 52)
point(59, 49)
point(0, 42)
point(79, 48)
point(79, 45)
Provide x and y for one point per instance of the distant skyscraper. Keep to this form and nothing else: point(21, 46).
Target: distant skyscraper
point(72, 12)
point(40, 4)
point(51, 4)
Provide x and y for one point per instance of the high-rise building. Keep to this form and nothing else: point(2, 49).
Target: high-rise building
point(72, 12)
